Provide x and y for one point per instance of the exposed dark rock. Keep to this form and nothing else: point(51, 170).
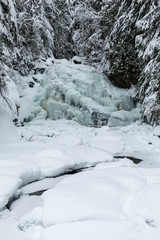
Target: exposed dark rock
point(39, 70)
point(119, 80)
point(133, 159)
point(31, 84)
point(35, 79)
point(76, 62)
point(99, 119)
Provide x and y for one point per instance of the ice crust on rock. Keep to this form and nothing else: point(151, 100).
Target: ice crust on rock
point(80, 92)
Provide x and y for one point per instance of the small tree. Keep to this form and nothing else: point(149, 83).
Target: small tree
point(2, 83)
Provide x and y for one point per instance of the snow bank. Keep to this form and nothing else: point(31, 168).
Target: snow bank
point(33, 159)
point(24, 205)
point(156, 131)
point(111, 141)
point(8, 187)
point(8, 133)
point(147, 204)
point(86, 230)
point(41, 185)
point(116, 194)
point(101, 194)
point(53, 162)
point(11, 231)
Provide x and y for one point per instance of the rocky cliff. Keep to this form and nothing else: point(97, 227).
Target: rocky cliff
point(120, 38)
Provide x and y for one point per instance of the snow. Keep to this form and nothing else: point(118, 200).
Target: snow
point(101, 194)
point(11, 101)
point(40, 185)
point(8, 132)
point(116, 194)
point(32, 218)
point(86, 230)
point(8, 187)
point(111, 141)
point(153, 44)
point(156, 130)
point(147, 206)
point(13, 231)
point(24, 205)
point(29, 161)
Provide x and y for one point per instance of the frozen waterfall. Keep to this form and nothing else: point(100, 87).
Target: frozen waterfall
point(81, 93)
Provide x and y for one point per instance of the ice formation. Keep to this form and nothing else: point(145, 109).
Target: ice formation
point(80, 92)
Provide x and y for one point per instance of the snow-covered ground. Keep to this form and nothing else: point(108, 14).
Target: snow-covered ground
point(116, 199)
point(111, 198)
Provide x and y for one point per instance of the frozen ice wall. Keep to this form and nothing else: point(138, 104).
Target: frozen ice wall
point(80, 92)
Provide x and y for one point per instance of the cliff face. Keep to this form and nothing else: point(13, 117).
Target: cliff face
point(120, 38)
